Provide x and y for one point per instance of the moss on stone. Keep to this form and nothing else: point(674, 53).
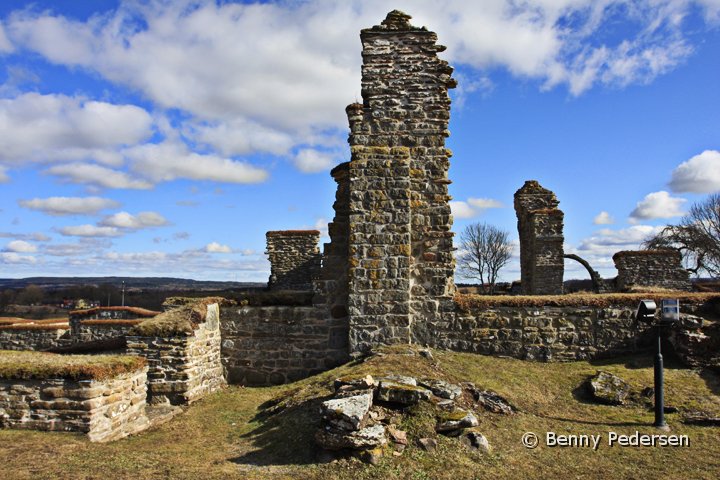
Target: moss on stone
point(182, 320)
point(42, 365)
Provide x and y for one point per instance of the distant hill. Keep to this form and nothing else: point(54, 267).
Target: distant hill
point(144, 283)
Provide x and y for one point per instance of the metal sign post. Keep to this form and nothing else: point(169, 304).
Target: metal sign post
point(670, 314)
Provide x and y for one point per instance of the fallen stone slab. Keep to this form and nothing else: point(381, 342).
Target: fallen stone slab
point(609, 389)
point(402, 393)
point(701, 418)
point(493, 402)
point(349, 413)
point(355, 382)
point(442, 389)
point(404, 379)
point(458, 420)
point(366, 438)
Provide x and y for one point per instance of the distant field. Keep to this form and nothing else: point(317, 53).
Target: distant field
point(266, 433)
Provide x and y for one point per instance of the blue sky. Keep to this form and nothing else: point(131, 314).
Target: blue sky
point(165, 138)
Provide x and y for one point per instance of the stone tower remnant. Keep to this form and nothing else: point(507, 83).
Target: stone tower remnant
point(294, 259)
point(392, 216)
point(540, 226)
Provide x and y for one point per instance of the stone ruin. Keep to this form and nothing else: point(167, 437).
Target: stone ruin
point(294, 259)
point(386, 275)
point(540, 227)
point(651, 268)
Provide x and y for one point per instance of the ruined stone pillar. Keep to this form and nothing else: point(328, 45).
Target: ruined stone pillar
point(400, 276)
point(540, 227)
point(294, 259)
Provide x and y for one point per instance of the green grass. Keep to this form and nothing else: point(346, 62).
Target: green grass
point(266, 433)
point(41, 365)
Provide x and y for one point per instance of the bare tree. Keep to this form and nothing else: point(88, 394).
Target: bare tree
point(697, 236)
point(485, 250)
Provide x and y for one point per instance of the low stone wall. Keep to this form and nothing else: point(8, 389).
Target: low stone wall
point(32, 337)
point(182, 368)
point(103, 409)
point(548, 333)
point(274, 345)
point(91, 330)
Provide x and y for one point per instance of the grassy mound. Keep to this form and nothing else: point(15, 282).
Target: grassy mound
point(266, 433)
point(40, 365)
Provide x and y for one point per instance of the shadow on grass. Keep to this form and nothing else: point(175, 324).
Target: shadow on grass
point(590, 422)
point(644, 359)
point(285, 435)
point(711, 376)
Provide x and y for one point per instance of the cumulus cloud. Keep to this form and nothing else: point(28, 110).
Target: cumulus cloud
point(12, 258)
point(700, 174)
point(215, 247)
point(54, 127)
point(172, 160)
point(603, 218)
point(657, 205)
point(281, 87)
point(128, 221)
point(21, 246)
point(36, 236)
point(606, 242)
point(461, 209)
point(472, 207)
point(89, 231)
point(4, 178)
point(58, 206)
point(312, 161)
point(92, 174)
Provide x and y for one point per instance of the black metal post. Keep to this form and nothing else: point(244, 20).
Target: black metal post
point(659, 385)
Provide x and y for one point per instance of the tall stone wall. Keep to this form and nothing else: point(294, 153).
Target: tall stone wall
point(540, 227)
point(651, 268)
point(400, 244)
point(294, 259)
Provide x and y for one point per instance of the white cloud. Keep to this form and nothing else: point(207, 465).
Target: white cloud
point(89, 231)
point(484, 203)
point(134, 222)
point(472, 207)
point(312, 161)
point(700, 174)
point(657, 205)
point(5, 45)
point(281, 87)
point(13, 258)
point(461, 209)
point(4, 178)
point(21, 246)
point(606, 242)
point(57, 206)
point(603, 218)
point(47, 128)
point(215, 247)
point(171, 160)
point(91, 174)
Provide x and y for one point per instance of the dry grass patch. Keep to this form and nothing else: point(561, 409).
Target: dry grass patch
point(467, 302)
point(40, 365)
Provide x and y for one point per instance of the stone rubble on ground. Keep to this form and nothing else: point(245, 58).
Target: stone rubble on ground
point(354, 425)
